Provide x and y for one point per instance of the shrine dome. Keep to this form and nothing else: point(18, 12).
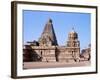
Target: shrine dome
point(73, 35)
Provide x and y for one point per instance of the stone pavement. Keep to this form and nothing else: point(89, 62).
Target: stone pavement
point(34, 65)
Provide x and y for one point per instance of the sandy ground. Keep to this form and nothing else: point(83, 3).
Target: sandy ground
point(34, 65)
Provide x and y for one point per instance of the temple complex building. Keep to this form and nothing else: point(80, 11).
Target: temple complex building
point(46, 49)
point(86, 53)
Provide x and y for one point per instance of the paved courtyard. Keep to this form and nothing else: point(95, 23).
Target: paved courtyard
point(34, 65)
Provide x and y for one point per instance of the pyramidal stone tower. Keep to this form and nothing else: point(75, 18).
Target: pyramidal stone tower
point(48, 36)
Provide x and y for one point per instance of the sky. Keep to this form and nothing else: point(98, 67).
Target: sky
point(63, 22)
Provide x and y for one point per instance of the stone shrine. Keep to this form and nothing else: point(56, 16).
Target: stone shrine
point(46, 49)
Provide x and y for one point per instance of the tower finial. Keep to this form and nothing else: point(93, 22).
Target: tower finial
point(50, 20)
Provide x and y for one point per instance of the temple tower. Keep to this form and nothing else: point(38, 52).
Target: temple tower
point(48, 42)
point(48, 36)
point(73, 45)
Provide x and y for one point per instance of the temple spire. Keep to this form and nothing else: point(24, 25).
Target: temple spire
point(48, 26)
point(48, 33)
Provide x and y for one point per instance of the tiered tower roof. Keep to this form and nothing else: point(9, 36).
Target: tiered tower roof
point(49, 32)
